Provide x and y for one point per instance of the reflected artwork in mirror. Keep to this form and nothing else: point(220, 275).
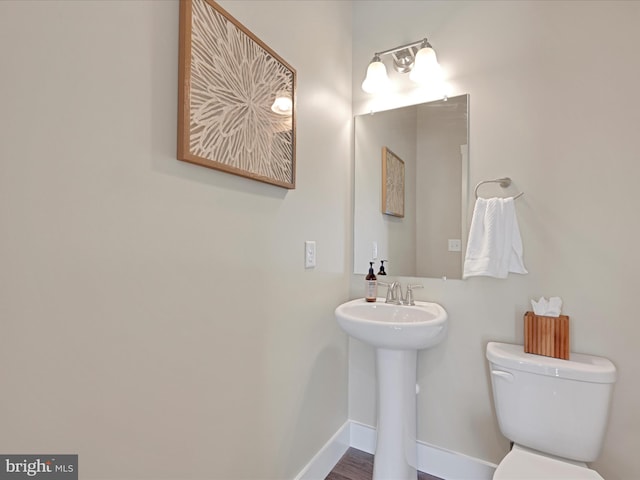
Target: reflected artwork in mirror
point(432, 140)
point(392, 184)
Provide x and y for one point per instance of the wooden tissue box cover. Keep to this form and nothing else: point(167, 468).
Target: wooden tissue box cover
point(548, 336)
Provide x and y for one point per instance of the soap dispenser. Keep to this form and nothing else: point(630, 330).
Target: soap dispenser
point(370, 285)
point(382, 272)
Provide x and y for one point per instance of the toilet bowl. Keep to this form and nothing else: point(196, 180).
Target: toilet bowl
point(554, 411)
point(524, 464)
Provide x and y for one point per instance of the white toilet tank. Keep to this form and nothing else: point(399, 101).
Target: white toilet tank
point(555, 406)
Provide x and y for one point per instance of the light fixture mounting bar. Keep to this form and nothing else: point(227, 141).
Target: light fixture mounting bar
point(401, 47)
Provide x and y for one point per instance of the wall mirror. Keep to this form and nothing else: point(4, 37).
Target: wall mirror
point(431, 139)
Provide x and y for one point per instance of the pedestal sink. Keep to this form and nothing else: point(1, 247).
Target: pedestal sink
point(397, 332)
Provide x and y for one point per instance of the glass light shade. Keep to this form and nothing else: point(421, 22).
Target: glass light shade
point(376, 79)
point(426, 68)
point(282, 105)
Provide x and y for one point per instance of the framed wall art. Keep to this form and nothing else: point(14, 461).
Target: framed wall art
point(236, 110)
point(392, 184)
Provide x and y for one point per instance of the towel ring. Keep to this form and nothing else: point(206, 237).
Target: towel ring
point(504, 183)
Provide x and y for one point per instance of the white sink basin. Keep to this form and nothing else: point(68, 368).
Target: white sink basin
point(394, 327)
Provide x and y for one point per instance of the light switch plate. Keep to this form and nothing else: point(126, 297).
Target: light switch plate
point(309, 254)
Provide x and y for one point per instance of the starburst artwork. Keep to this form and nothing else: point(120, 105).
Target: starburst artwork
point(236, 98)
point(392, 183)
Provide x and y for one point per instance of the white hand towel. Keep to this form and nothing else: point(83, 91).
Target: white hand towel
point(494, 247)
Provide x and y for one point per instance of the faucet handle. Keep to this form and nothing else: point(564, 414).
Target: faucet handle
point(389, 292)
point(409, 297)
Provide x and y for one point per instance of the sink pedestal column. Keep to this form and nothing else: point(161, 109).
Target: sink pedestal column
point(396, 452)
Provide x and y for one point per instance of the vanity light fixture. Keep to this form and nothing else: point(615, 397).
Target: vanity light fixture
point(376, 79)
point(416, 58)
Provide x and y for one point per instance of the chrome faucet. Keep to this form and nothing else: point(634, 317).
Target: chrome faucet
point(394, 294)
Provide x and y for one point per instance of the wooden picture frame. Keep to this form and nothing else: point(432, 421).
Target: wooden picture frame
point(392, 184)
point(230, 83)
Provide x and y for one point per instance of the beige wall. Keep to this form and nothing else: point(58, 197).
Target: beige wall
point(156, 316)
point(553, 106)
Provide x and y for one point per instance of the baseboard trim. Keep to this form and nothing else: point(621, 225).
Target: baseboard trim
point(329, 455)
point(451, 465)
point(433, 460)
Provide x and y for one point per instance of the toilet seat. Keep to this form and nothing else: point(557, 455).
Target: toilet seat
point(524, 464)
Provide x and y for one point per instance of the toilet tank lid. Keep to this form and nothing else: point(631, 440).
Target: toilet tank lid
point(586, 368)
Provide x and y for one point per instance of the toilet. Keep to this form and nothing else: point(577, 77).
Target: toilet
point(554, 411)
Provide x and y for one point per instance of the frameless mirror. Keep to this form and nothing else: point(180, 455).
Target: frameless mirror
point(428, 178)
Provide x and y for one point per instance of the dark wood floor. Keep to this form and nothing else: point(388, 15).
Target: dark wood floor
point(358, 465)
